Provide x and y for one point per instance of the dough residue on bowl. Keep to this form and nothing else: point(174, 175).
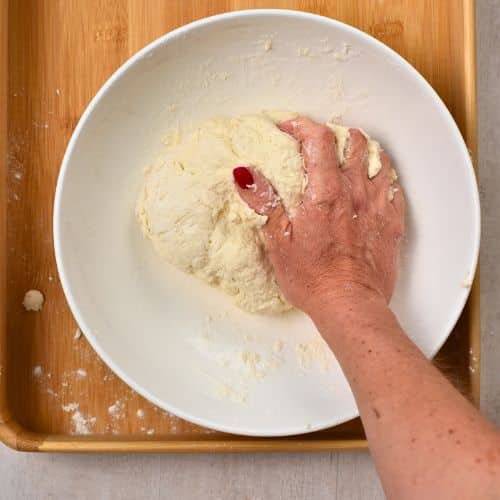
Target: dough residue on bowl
point(190, 210)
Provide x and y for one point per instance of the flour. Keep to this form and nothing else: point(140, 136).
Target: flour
point(253, 364)
point(226, 391)
point(82, 425)
point(117, 410)
point(70, 407)
point(344, 53)
point(314, 354)
point(278, 346)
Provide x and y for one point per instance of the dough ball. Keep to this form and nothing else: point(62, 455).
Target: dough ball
point(195, 219)
point(33, 300)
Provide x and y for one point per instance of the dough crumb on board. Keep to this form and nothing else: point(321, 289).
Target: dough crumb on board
point(81, 373)
point(33, 300)
point(37, 371)
point(78, 334)
point(140, 413)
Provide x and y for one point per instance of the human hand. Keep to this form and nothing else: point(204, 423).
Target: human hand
point(343, 240)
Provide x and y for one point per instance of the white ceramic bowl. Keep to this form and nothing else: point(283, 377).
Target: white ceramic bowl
point(177, 341)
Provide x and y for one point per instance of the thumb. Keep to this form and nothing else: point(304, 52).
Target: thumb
point(258, 193)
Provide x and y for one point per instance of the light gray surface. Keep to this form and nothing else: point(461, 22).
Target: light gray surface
point(348, 476)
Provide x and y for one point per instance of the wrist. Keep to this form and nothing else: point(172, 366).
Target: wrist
point(339, 295)
point(344, 303)
point(347, 282)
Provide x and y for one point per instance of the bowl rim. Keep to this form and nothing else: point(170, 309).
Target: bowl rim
point(107, 86)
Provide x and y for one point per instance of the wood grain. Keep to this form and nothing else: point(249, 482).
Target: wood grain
point(59, 54)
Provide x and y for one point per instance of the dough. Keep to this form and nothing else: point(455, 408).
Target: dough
point(189, 209)
point(33, 300)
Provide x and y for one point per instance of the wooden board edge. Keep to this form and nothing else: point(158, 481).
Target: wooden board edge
point(470, 106)
point(13, 435)
point(5, 432)
point(82, 445)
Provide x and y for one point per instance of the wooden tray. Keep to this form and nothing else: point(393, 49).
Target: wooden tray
point(58, 55)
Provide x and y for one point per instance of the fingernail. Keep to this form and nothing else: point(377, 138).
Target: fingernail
point(243, 177)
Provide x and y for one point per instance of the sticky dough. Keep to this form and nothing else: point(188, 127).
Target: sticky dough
point(189, 209)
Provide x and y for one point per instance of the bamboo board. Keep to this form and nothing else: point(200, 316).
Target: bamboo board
point(54, 56)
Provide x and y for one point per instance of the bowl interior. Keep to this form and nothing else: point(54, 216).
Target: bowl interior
point(180, 343)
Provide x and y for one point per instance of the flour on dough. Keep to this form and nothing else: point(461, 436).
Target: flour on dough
point(189, 209)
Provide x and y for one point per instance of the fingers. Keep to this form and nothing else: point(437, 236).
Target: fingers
point(258, 193)
point(386, 191)
point(355, 167)
point(319, 149)
point(356, 155)
point(382, 184)
point(389, 195)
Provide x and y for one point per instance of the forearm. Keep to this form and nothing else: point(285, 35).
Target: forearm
point(424, 436)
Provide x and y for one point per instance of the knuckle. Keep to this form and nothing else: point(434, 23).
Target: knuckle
point(324, 134)
point(359, 198)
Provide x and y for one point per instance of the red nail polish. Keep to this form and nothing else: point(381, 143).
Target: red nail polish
point(243, 177)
